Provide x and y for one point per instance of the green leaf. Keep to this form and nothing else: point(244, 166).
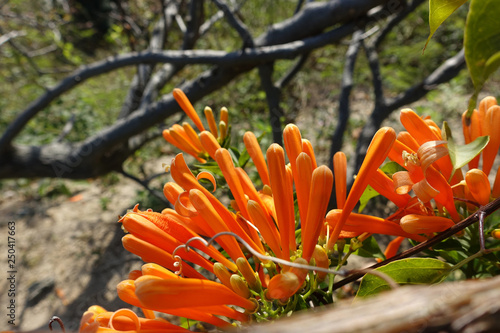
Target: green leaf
point(463, 154)
point(405, 271)
point(370, 249)
point(391, 168)
point(439, 10)
point(366, 196)
point(482, 43)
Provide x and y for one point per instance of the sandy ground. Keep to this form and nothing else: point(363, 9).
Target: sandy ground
point(68, 255)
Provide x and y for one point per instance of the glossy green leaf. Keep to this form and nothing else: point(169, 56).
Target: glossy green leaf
point(439, 10)
point(406, 271)
point(482, 43)
point(460, 155)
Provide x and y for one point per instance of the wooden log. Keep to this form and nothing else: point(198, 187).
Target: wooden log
point(466, 306)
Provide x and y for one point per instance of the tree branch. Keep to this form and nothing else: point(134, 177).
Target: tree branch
point(487, 210)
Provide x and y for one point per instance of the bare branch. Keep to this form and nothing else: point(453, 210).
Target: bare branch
point(347, 84)
point(236, 23)
point(273, 97)
point(285, 80)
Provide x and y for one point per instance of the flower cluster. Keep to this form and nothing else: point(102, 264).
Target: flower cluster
point(270, 252)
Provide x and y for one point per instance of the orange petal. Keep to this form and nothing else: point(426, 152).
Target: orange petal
point(172, 191)
point(253, 148)
point(377, 152)
point(492, 125)
point(209, 115)
point(154, 292)
point(179, 134)
point(308, 149)
point(208, 176)
point(321, 188)
point(340, 172)
point(386, 187)
point(445, 195)
point(406, 138)
point(209, 143)
point(419, 224)
point(393, 247)
point(284, 285)
point(187, 107)
point(282, 197)
point(478, 185)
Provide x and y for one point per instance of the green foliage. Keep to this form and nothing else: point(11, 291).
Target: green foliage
point(412, 271)
point(482, 43)
point(439, 10)
point(460, 155)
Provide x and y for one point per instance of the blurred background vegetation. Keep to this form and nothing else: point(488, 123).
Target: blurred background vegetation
point(50, 39)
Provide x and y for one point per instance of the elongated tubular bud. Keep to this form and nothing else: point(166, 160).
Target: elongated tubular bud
point(420, 224)
point(126, 292)
point(225, 162)
point(308, 149)
point(340, 172)
point(222, 274)
point(266, 227)
point(239, 286)
point(321, 259)
point(253, 149)
point(393, 247)
point(285, 285)
point(154, 292)
point(224, 115)
point(366, 223)
point(321, 188)
point(209, 143)
point(478, 185)
point(209, 115)
point(179, 133)
point(484, 105)
point(152, 253)
point(492, 125)
point(193, 136)
point(167, 135)
point(495, 192)
point(205, 208)
point(303, 184)
point(248, 273)
point(222, 131)
point(183, 176)
point(472, 129)
point(187, 107)
point(283, 198)
point(141, 227)
point(378, 150)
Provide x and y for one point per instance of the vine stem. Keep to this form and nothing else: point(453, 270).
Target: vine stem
point(483, 211)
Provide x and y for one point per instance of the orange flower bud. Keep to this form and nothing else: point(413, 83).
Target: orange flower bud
point(478, 185)
point(420, 224)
